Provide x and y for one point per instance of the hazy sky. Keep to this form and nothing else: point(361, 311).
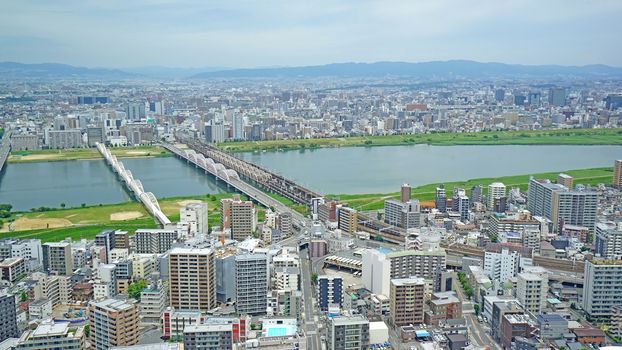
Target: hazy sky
point(130, 33)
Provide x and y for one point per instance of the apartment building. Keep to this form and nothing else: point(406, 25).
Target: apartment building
point(57, 258)
point(50, 335)
point(348, 333)
point(347, 219)
point(113, 323)
point(407, 300)
point(208, 337)
point(238, 217)
point(192, 279)
point(154, 241)
point(251, 276)
point(602, 288)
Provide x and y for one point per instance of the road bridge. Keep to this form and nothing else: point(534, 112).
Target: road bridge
point(5, 148)
point(134, 185)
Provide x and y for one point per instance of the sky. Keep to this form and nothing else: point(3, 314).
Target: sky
point(265, 33)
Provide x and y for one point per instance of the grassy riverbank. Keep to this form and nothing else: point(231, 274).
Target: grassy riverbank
point(50, 155)
point(77, 223)
point(592, 176)
point(539, 137)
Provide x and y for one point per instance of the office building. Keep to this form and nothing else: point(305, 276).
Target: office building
point(154, 240)
point(440, 199)
point(284, 224)
point(513, 326)
point(251, 276)
point(531, 291)
point(107, 240)
point(50, 335)
point(617, 174)
point(224, 260)
point(380, 266)
point(238, 217)
point(477, 194)
point(557, 97)
point(57, 258)
point(495, 190)
point(348, 333)
point(499, 95)
point(135, 111)
point(62, 139)
point(95, 135)
point(192, 279)
point(24, 142)
point(348, 219)
point(113, 323)
point(8, 317)
point(565, 180)
point(208, 337)
point(330, 291)
point(195, 215)
point(238, 127)
point(406, 297)
point(402, 214)
point(153, 302)
point(518, 222)
point(602, 288)
point(608, 240)
point(533, 98)
point(175, 321)
point(214, 131)
point(501, 266)
point(443, 306)
point(552, 326)
point(463, 205)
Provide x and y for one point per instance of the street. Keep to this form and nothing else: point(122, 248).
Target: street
point(310, 324)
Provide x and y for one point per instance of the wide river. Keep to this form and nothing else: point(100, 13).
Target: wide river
point(329, 170)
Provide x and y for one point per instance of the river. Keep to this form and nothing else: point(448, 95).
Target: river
point(328, 170)
point(384, 169)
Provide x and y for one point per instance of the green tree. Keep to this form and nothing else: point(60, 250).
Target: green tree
point(87, 330)
point(62, 205)
point(314, 278)
point(476, 308)
point(23, 297)
point(136, 288)
point(83, 205)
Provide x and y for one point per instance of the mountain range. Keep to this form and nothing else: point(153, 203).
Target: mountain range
point(433, 69)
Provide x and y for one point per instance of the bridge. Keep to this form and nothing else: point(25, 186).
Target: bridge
point(134, 185)
point(5, 148)
point(232, 179)
point(255, 174)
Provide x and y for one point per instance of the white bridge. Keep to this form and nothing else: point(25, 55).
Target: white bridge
point(134, 185)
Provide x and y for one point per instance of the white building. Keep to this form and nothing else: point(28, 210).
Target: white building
point(195, 215)
point(531, 291)
point(501, 266)
point(495, 190)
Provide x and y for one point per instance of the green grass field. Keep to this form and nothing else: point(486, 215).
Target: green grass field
point(426, 192)
point(51, 155)
point(539, 137)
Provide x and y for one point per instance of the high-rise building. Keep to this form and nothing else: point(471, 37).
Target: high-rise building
point(407, 297)
point(495, 190)
point(477, 194)
point(8, 317)
point(251, 276)
point(501, 266)
point(565, 180)
point(533, 98)
point(463, 204)
point(284, 224)
point(348, 219)
point(557, 97)
point(154, 240)
point(135, 111)
point(348, 333)
point(192, 279)
point(329, 291)
point(608, 240)
point(402, 214)
point(238, 217)
point(113, 323)
point(195, 215)
point(532, 291)
point(238, 127)
point(57, 258)
point(208, 337)
point(405, 193)
point(214, 131)
point(499, 95)
point(617, 174)
point(50, 335)
point(440, 199)
point(602, 288)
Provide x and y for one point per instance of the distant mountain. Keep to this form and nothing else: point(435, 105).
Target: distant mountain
point(170, 72)
point(14, 70)
point(441, 69)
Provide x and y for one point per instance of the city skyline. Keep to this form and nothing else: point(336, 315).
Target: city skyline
point(244, 35)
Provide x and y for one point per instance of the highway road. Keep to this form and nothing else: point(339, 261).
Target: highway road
point(310, 321)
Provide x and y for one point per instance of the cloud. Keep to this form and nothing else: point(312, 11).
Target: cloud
point(118, 33)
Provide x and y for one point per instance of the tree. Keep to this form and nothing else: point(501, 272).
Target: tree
point(83, 205)
point(87, 330)
point(23, 297)
point(314, 278)
point(62, 205)
point(136, 288)
point(476, 308)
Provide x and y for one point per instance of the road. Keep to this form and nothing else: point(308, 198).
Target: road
point(478, 333)
point(310, 322)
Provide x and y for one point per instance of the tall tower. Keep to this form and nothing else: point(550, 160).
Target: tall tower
point(405, 193)
point(617, 174)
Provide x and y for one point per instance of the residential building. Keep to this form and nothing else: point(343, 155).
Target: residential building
point(565, 180)
point(61, 139)
point(113, 323)
point(192, 279)
point(402, 214)
point(617, 174)
point(407, 300)
point(153, 301)
point(154, 240)
point(8, 317)
point(330, 291)
point(615, 323)
point(284, 224)
point(552, 326)
point(57, 258)
point(238, 217)
point(602, 288)
point(557, 96)
point(12, 269)
point(348, 333)
point(495, 190)
point(348, 219)
point(443, 306)
point(208, 337)
point(532, 291)
point(251, 275)
point(501, 266)
point(174, 322)
point(608, 240)
point(195, 215)
point(50, 335)
point(40, 309)
point(224, 260)
point(440, 199)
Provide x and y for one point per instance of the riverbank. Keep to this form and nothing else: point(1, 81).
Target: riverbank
point(426, 193)
point(86, 222)
point(52, 155)
point(538, 137)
